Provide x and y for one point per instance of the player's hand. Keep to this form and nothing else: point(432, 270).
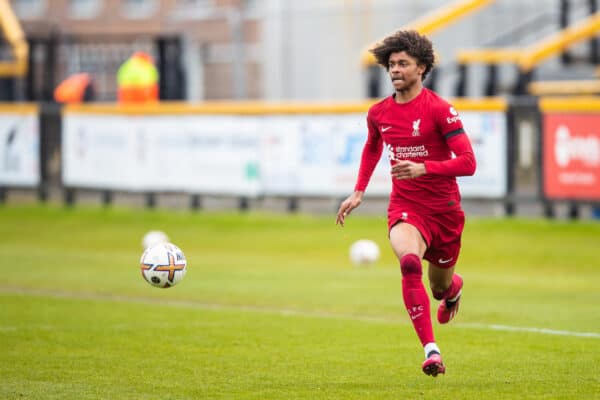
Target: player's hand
point(408, 170)
point(347, 206)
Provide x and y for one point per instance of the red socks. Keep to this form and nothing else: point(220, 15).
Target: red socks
point(415, 297)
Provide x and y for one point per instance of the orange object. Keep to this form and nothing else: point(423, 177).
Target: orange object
point(73, 89)
point(137, 94)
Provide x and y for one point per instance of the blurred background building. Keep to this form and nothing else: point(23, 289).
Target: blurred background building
point(279, 49)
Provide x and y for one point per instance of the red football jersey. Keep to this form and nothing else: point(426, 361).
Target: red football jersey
point(426, 129)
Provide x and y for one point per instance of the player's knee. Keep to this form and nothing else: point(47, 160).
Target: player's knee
point(410, 264)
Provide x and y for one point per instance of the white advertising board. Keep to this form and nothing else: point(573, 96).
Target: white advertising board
point(204, 154)
point(316, 155)
point(250, 155)
point(19, 149)
point(487, 131)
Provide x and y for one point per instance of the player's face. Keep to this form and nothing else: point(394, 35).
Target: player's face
point(404, 71)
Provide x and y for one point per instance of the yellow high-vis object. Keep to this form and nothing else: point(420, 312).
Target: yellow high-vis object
point(137, 71)
point(12, 32)
point(434, 21)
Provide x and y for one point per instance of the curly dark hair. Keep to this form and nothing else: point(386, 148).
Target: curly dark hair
point(413, 43)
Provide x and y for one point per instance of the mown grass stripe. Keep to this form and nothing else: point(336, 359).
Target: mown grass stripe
point(280, 311)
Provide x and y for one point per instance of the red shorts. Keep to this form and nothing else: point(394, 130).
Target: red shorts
point(442, 233)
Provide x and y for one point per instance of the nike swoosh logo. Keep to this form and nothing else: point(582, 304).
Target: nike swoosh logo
point(413, 317)
point(383, 129)
point(442, 261)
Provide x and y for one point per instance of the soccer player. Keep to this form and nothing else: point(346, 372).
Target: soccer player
point(419, 132)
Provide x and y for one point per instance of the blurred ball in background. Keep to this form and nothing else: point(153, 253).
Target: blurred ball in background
point(154, 237)
point(364, 252)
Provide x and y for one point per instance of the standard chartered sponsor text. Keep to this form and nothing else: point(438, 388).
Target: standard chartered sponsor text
point(411, 151)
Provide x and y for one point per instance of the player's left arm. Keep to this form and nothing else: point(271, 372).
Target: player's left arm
point(450, 127)
point(463, 164)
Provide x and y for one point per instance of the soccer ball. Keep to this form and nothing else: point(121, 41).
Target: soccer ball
point(163, 265)
point(154, 237)
point(364, 252)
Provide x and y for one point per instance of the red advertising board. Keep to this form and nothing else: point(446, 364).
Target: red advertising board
point(571, 156)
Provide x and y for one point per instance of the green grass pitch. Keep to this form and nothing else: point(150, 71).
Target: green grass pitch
point(272, 309)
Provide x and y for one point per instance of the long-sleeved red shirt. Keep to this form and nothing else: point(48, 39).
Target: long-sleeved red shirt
point(427, 129)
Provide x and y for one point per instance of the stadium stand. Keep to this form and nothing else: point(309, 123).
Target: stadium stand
point(528, 58)
point(564, 87)
point(428, 24)
point(435, 21)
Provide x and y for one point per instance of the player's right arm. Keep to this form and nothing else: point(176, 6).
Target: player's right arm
point(370, 157)
point(348, 205)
